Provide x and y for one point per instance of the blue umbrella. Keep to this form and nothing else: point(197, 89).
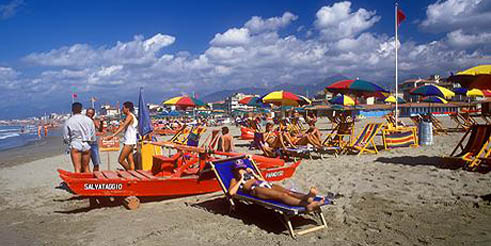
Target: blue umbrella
point(174, 113)
point(144, 121)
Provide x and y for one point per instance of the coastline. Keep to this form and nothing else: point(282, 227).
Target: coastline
point(39, 149)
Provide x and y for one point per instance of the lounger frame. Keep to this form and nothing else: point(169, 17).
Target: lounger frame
point(286, 212)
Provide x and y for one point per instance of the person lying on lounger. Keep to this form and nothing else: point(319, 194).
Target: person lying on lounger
point(247, 181)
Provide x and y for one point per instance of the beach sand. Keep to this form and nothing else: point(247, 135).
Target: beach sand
point(405, 196)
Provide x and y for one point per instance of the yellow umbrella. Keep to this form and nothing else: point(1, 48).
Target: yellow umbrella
point(483, 69)
point(282, 98)
point(392, 99)
point(474, 93)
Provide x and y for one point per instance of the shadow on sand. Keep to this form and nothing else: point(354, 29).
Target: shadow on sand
point(259, 216)
point(436, 161)
point(106, 202)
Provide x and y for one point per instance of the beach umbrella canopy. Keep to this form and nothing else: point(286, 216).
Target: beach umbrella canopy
point(392, 99)
point(432, 90)
point(282, 98)
point(358, 87)
point(145, 125)
point(470, 93)
point(254, 102)
point(184, 102)
point(342, 100)
point(434, 99)
point(174, 113)
point(304, 101)
point(477, 77)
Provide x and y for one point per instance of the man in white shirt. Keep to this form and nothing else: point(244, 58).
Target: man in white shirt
point(79, 133)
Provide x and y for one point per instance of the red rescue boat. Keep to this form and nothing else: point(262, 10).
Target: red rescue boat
point(179, 175)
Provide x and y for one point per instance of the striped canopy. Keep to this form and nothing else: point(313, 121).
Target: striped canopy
point(434, 99)
point(184, 102)
point(282, 98)
point(358, 87)
point(392, 99)
point(477, 77)
point(254, 102)
point(342, 100)
point(304, 101)
point(432, 90)
point(469, 93)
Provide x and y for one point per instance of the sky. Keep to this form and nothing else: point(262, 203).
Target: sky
point(109, 49)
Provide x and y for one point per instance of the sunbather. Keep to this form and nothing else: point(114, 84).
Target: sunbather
point(247, 181)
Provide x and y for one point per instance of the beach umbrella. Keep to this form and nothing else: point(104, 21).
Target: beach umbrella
point(477, 77)
point(174, 113)
point(304, 101)
point(342, 100)
point(434, 99)
point(470, 93)
point(145, 125)
point(432, 90)
point(392, 99)
point(254, 102)
point(184, 102)
point(358, 87)
point(282, 98)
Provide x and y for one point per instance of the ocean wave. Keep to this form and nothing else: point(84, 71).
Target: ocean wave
point(10, 130)
point(9, 135)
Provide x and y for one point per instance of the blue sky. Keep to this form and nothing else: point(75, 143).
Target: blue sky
point(109, 48)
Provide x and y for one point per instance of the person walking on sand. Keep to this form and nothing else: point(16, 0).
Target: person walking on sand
point(79, 133)
point(130, 127)
point(94, 146)
point(226, 141)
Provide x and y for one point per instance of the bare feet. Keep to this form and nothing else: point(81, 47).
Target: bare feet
point(314, 205)
point(312, 193)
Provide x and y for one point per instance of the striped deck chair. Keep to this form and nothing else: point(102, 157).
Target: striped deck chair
point(437, 126)
point(194, 136)
point(223, 171)
point(366, 138)
point(461, 125)
point(400, 137)
point(477, 148)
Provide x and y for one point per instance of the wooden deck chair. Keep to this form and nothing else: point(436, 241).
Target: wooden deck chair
point(438, 127)
point(223, 171)
point(400, 137)
point(416, 120)
point(461, 125)
point(366, 138)
point(337, 136)
point(477, 148)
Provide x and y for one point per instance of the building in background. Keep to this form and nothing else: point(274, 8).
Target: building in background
point(232, 102)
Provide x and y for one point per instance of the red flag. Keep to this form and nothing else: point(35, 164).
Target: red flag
point(74, 95)
point(400, 16)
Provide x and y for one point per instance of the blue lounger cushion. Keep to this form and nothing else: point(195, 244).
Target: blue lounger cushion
point(224, 171)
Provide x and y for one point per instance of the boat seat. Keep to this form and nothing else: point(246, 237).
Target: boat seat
point(165, 164)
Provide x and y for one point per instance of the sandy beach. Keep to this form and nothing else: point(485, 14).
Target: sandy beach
point(399, 197)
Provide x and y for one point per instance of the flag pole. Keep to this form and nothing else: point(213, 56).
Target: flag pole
point(397, 92)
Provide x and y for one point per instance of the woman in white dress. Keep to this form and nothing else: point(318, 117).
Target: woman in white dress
point(129, 141)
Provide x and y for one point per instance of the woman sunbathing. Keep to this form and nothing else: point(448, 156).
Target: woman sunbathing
point(247, 181)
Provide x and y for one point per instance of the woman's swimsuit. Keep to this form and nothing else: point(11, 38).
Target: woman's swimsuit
point(257, 183)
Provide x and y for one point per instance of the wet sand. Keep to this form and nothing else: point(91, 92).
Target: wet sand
point(406, 196)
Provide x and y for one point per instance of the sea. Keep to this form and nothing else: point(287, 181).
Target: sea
point(17, 136)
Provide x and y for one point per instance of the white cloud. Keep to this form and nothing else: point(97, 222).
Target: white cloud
point(138, 51)
point(460, 39)
point(450, 15)
point(10, 9)
point(338, 21)
point(232, 37)
point(257, 24)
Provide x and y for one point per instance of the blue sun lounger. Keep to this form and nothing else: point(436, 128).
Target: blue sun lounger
point(223, 171)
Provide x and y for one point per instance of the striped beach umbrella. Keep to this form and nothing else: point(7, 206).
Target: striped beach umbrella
point(282, 98)
point(477, 77)
point(432, 90)
point(253, 102)
point(358, 87)
point(392, 99)
point(342, 100)
point(184, 102)
point(304, 101)
point(434, 99)
point(469, 93)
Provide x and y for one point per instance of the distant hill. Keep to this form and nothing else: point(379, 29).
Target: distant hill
point(302, 89)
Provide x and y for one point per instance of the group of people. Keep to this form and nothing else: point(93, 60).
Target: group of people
point(282, 134)
point(81, 133)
